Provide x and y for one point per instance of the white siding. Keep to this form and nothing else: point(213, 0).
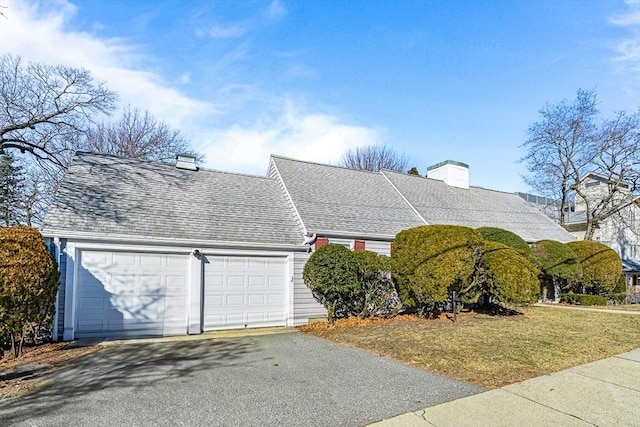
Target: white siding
point(382, 248)
point(305, 305)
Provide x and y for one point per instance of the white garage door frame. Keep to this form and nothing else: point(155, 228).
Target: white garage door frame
point(195, 277)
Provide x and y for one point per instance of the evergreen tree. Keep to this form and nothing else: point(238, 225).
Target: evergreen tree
point(11, 186)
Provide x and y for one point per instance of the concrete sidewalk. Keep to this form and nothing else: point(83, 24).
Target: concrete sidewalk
point(602, 393)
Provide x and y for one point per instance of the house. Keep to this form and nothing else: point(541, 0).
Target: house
point(621, 230)
point(149, 248)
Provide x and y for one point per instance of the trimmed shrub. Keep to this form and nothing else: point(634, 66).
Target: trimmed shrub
point(601, 266)
point(29, 281)
point(559, 266)
point(494, 234)
point(511, 278)
point(430, 260)
point(380, 294)
point(582, 299)
point(332, 275)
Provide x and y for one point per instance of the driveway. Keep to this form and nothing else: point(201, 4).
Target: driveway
point(288, 379)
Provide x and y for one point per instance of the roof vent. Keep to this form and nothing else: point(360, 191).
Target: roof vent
point(455, 174)
point(186, 161)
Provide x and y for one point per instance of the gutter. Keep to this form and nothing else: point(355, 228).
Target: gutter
point(352, 235)
point(169, 241)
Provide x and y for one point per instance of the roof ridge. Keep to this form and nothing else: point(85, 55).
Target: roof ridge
point(275, 156)
point(161, 163)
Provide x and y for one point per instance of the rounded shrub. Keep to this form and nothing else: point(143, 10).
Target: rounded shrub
point(429, 260)
point(331, 273)
point(601, 266)
point(29, 281)
point(380, 294)
point(500, 235)
point(559, 265)
point(511, 278)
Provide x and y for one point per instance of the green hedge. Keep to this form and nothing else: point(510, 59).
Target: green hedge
point(500, 235)
point(601, 266)
point(429, 260)
point(332, 275)
point(511, 277)
point(557, 262)
point(583, 299)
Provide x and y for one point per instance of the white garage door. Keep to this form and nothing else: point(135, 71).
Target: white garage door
point(244, 292)
point(131, 294)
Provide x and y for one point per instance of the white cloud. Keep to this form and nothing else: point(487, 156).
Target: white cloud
point(228, 32)
point(313, 137)
point(628, 49)
point(229, 136)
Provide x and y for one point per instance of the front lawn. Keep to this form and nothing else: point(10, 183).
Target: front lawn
point(492, 351)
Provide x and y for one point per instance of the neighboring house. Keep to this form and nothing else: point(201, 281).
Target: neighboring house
point(148, 248)
point(621, 231)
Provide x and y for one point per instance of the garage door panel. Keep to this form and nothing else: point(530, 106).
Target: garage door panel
point(244, 292)
point(129, 294)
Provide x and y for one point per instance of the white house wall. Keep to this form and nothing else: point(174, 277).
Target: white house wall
point(305, 306)
point(382, 248)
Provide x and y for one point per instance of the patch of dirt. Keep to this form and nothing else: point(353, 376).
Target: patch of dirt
point(21, 375)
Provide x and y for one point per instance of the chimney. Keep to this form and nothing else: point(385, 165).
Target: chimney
point(186, 161)
point(455, 174)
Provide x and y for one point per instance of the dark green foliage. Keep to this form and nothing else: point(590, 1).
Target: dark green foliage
point(500, 235)
point(28, 285)
point(413, 171)
point(332, 275)
point(430, 260)
point(380, 295)
point(601, 266)
point(511, 277)
point(621, 285)
point(582, 299)
point(558, 264)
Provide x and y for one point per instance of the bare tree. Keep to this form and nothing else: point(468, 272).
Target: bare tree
point(373, 158)
point(43, 108)
point(568, 152)
point(616, 161)
point(138, 135)
point(558, 147)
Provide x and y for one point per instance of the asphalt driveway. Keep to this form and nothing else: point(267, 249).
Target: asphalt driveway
point(289, 379)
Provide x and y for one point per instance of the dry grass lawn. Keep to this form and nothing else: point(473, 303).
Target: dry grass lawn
point(492, 351)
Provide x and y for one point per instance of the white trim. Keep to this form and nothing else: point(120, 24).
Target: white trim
point(288, 196)
point(404, 198)
point(351, 235)
point(172, 242)
point(195, 289)
point(68, 334)
point(290, 285)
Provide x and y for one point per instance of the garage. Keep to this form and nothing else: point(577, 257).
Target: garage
point(130, 294)
point(244, 292)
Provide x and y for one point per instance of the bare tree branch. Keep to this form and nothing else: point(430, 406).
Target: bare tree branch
point(373, 158)
point(44, 107)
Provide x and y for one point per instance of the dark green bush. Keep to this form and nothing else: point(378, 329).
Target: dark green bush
point(500, 235)
point(430, 260)
point(583, 299)
point(29, 282)
point(559, 266)
point(332, 275)
point(601, 266)
point(380, 294)
point(511, 278)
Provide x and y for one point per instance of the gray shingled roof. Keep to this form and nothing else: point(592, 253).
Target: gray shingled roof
point(439, 203)
point(331, 198)
point(110, 196)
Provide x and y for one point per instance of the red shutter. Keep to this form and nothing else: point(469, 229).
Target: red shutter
point(321, 241)
point(359, 245)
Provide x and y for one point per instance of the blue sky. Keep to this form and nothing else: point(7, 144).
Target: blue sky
point(437, 80)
